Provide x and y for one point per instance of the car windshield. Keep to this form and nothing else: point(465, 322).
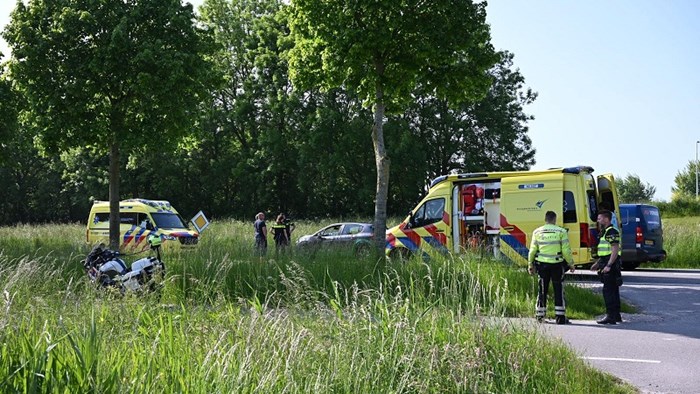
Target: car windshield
point(168, 220)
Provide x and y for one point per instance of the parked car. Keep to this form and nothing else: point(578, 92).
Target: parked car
point(642, 235)
point(355, 236)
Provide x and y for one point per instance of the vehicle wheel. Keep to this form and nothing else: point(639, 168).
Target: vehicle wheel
point(362, 250)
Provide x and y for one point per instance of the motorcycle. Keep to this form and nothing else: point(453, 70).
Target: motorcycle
point(107, 269)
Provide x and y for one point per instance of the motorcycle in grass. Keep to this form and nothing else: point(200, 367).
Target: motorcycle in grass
point(107, 269)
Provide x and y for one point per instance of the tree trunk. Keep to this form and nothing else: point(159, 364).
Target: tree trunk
point(382, 162)
point(114, 220)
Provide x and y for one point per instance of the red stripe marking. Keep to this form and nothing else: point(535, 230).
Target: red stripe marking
point(516, 232)
point(446, 218)
point(432, 229)
point(391, 239)
point(413, 236)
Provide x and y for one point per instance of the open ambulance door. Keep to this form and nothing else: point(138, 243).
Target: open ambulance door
point(607, 194)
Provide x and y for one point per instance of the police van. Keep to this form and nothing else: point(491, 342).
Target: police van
point(139, 218)
point(498, 211)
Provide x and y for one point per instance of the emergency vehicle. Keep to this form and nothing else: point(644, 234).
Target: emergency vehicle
point(498, 211)
point(139, 218)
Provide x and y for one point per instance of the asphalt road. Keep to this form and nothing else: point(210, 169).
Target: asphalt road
point(657, 349)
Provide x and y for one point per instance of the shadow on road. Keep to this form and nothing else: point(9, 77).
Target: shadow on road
point(668, 301)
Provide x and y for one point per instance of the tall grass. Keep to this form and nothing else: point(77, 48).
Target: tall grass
point(229, 322)
point(681, 242)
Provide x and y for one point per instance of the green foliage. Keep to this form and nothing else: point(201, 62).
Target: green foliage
point(685, 181)
point(679, 206)
point(108, 75)
point(258, 144)
point(392, 47)
point(631, 189)
point(96, 72)
point(386, 50)
point(8, 116)
point(681, 242)
point(488, 135)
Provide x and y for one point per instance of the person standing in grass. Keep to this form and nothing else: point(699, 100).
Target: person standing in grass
point(260, 234)
point(608, 267)
point(549, 253)
point(279, 231)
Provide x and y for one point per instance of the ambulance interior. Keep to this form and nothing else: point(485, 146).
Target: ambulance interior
point(479, 214)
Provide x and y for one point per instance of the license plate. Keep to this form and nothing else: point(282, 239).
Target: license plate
point(648, 242)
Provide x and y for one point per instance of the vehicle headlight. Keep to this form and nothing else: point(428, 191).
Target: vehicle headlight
point(169, 237)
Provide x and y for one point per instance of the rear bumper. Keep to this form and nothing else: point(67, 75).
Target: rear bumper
point(643, 256)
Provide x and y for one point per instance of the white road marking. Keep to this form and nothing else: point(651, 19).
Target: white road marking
point(631, 360)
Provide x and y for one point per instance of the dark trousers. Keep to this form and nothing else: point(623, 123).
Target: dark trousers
point(555, 274)
point(611, 288)
point(260, 245)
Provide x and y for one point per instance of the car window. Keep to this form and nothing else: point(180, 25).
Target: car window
point(129, 218)
point(101, 220)
point(351, 229)
point(331, 231)
point(168, 220)
point(652, 217)
point(569, 207)
point(428, 213)
point(434, 210)
point(592, 205)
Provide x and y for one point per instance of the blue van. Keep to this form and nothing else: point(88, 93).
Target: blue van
point(642, 235)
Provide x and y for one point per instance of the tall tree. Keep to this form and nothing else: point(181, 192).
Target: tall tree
point(249, 132)
point(109, 74)
point(383, 50)
point(631, 189)
point(8, 113)
point(488, 135)
point(686, 181)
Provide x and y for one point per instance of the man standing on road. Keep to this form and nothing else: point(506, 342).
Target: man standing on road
point(608, 267)
point(549, 253)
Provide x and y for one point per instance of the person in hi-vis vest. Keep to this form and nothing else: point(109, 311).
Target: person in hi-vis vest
point(608, 267)
point(550, 256)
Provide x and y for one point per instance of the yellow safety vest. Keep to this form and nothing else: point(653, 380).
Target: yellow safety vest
point(550, 245)
point(604, 246)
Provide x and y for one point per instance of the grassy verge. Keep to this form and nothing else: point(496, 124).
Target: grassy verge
point(228, 322)
point(681, 242)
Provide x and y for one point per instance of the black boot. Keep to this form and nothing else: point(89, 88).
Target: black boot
point(562, 320)
point(618, 318)
point(608, 319)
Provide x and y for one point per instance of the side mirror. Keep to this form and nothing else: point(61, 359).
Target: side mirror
point(409, 222)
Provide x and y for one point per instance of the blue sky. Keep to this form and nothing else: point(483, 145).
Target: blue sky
point(618, 81)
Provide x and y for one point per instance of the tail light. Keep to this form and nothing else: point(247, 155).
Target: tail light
point(640, 236)
point(583, 227)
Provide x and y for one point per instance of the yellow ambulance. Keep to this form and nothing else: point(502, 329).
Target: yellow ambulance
point(498, 211)
point(139, 218)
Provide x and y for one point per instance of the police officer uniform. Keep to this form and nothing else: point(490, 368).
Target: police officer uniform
point(613, 279)
point(549, 253)
point(280, 234)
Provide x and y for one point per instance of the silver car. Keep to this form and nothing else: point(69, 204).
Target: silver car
point(354, 236)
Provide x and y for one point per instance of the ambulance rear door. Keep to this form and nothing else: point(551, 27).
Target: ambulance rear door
point(524, 201)
point(607, 193)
